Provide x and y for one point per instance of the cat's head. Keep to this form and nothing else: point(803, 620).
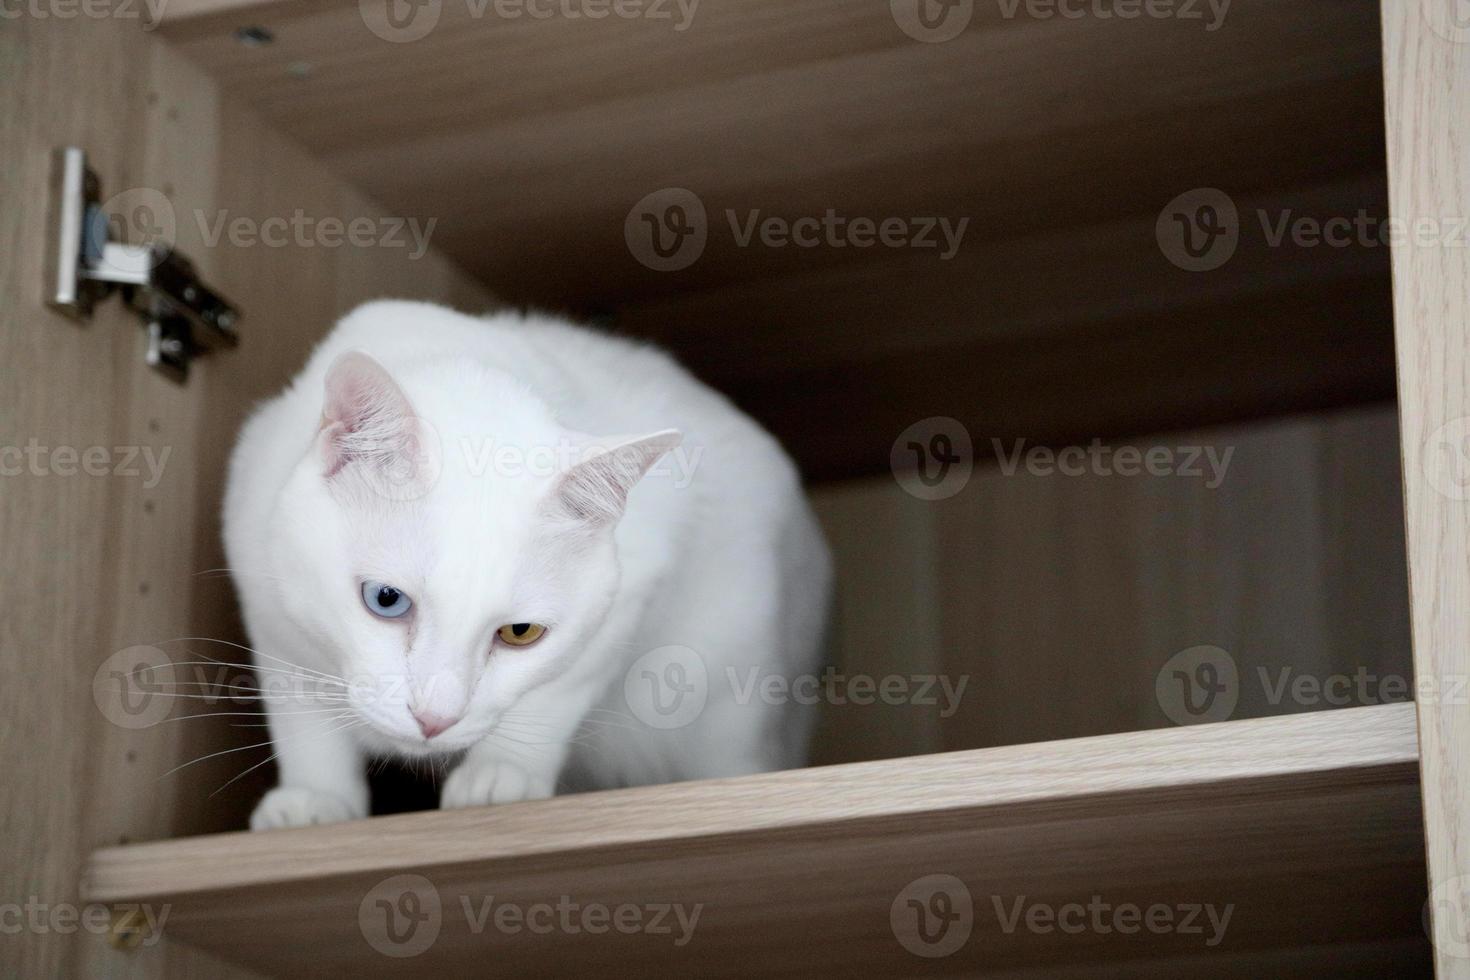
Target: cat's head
point(452, 544)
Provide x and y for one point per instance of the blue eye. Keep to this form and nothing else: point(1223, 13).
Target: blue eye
point(384, 600)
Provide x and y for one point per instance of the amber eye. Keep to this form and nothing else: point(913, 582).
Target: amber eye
point(521, 634)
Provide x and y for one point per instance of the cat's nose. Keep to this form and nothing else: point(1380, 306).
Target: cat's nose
point(432, 724)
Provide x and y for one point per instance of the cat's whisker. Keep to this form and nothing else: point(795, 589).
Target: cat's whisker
point(221, 572)
point(210, 662)
point(275, 755)
point(632, 724)
point(212, 755)
point(250, 714)
point(252, 652)
point(268, 698)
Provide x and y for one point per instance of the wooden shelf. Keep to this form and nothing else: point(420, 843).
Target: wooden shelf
point(1309, 825)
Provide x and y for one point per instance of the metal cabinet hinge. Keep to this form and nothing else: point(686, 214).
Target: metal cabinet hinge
point(184, 317)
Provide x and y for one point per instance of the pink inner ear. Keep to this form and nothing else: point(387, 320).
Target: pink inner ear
point(595, 490)
point(365, 415)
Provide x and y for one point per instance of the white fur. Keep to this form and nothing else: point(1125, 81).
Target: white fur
point(728, 562)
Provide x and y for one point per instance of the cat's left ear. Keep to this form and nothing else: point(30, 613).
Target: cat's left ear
point(370, 432)
point(594, 489)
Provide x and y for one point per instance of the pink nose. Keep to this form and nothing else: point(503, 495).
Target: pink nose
point(431, 724)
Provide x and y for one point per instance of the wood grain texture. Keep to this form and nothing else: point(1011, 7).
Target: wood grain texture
point(1059, 139)
point(1056, 599)
point(798, 871)
point(1427, 86)
point(886, 617)
point(103, 563)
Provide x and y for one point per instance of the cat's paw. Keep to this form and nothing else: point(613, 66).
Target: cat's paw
point(478, 783)
point(294, 806)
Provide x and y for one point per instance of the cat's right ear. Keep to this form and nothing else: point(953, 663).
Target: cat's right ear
point(368, 425)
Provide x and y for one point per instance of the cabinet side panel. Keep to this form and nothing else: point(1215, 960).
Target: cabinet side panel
point(1427, 97)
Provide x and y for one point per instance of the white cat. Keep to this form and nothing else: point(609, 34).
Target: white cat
point(484, 540)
